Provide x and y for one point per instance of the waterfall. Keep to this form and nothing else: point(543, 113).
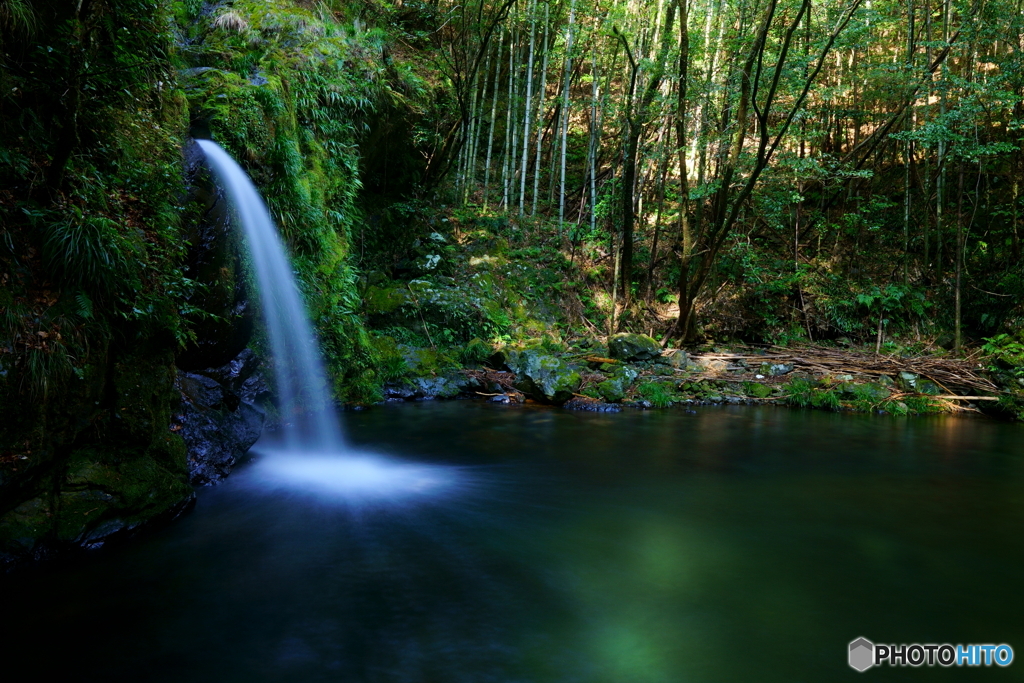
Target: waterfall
point(308, 459)
point(309, 421)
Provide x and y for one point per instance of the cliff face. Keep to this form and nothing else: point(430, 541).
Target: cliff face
point(124, 313)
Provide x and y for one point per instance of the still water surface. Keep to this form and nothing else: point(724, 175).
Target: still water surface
point(548, 546)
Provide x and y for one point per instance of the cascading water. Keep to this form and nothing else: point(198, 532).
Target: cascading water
point(309, 420)
point(314, 456)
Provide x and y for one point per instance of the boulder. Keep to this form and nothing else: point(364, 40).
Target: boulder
point(628, 346)
point(677, 359)
point(775, 369)
point(908, 381)
point(612, 390)
point(542, 377)
point(877, 391)
point(429, 374)
point(217, 418)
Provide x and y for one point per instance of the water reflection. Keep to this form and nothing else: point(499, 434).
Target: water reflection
point(550, 547)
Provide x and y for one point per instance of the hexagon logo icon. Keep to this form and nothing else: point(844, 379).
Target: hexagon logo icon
point(862, 654)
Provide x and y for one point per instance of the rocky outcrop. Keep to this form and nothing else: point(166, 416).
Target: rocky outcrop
point(218, 416)
point(222, 317)
point(628, 347)
point(95, 462)
point(428, 375)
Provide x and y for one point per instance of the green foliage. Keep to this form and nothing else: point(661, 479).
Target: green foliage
point(88, 252)
point(91, 172)
point(804, 393)
point(1006, 352)
point(660, 394)
point(45, 369)
point(476, 352)
point(890, 300)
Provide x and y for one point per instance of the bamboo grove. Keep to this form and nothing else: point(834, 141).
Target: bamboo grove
point(819, 163)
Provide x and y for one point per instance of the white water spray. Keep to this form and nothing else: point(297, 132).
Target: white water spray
point(314, 456)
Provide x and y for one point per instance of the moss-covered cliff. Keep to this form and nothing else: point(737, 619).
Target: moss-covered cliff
point(107, 272)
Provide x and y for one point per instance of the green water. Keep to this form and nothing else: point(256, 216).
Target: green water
point(735, 544)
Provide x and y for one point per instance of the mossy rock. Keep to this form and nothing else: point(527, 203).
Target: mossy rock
point(445, 386)
point(677, 360)
point(542, 377)
point(907, 381)
point(22, 527)
point(422, 362)
point(144, 390)
point(626, 373)
point(775, 369)
point(611, 390)
point(875, 391)
point(757, 390)
point(384, 300)
point(629, 346)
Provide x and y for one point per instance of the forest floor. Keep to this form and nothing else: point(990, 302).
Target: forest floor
point(480, 290)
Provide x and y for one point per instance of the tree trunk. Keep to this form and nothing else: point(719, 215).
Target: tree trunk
point(565, 112)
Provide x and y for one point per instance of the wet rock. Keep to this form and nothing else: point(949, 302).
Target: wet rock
point(213, 259)
point(591, 405)
point(218, 417)
point(628, 346)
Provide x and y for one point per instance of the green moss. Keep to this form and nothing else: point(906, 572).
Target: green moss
point(22, 527)
point(660, 394)
point(757, 390)
point(287, 91)
point(116, 485)
point(382, 300)
point(611, 390)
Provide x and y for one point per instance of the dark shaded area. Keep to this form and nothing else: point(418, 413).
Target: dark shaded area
point(639, 546)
